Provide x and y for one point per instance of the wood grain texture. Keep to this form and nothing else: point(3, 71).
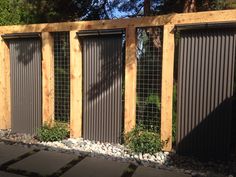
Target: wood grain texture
point(48, 77)
point(5, 103)
point(167, 86)
point(184, 18)
point(130, 69)
point(76, 86)
point(130, 80)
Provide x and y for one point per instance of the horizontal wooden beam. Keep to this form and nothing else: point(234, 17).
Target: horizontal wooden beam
point(184, 18)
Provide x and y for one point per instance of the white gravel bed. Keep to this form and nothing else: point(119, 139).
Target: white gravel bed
point(107, 150)
point(118, 152)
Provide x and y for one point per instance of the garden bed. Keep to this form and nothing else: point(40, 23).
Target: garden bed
point(118, 152)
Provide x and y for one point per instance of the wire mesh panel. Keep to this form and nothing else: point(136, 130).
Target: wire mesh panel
point(149, 69)
point(62, 76)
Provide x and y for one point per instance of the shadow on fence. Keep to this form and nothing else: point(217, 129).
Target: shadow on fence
point(210, 139)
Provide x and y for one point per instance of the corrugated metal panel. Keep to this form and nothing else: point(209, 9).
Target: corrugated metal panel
point(99, 32)
point(25, 59)
point(102, 88)
point(205, 91)
point(233, 129)
point(21, 36)
point(210, 26)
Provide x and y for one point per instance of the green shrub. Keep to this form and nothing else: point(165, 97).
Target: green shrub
point(174, 113)
point(56, 132)
point(149, 109)
point(140, 140)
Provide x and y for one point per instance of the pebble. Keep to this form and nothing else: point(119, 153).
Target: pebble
point(118, 152)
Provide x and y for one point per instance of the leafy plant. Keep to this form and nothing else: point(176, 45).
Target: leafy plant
point(149, 109)
point(154, 99)
point(56, 132)
point(140, 140)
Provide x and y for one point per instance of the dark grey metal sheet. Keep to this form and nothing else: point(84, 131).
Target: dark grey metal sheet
point(99, 32)
point(209, 26)
point(25, 59)
point(205, 92)
point(102, 88)
point(21, 35)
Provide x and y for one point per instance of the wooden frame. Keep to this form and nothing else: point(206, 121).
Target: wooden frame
point(47, 77)
point(167, 86)
point(168, 21)
point(130, 79)
point(5, 103)
point(76, 86)
point(175, 19)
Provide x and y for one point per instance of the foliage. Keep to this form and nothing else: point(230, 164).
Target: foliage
point(136, 8)
point(140, 140)
point(11, 12)
point(67, 10)
point(151, 108)
point(57, 132)
point(62, 84)
point(148, 104)
point(40, 11)
point(154, 99)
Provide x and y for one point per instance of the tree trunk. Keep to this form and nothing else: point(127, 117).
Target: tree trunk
point(147, 7)
point(152, 33)
point(190, 6)
point(207, 4)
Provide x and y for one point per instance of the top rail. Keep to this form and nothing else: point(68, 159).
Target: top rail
point(171, 19)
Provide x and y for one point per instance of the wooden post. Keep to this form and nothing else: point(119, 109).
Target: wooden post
point(76, 86)
point(48, 77)
point(130, 79)
point(167, 86)
point(5, 103)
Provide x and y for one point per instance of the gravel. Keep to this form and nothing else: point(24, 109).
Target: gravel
point(118, 152)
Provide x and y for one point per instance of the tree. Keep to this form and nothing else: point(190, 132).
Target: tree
point(40, 11)
point(156, 7)
point(11, 12)
point(190, 6)
point(68, 10)
point(57, 10)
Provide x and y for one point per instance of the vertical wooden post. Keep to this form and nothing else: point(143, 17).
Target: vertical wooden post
point(48, 77)
point(130, 79)
point(5, 103)
point(76, 86)
point(167, 86)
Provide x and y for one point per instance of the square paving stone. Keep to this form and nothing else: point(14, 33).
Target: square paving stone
point(9, 152)
point(5, 174)
point(152, 172)
point(43, 162)
point(93, 167)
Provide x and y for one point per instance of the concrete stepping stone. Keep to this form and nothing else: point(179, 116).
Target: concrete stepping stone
point(43, 162)
point(93, 167)
point(9, 152)
point(152, 172)
point(5, 174)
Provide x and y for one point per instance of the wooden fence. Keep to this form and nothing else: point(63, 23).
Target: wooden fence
point(168, 21)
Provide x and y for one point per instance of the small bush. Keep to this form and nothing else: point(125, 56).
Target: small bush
point(56, 132)
point(143, 141)
point(174, 114)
